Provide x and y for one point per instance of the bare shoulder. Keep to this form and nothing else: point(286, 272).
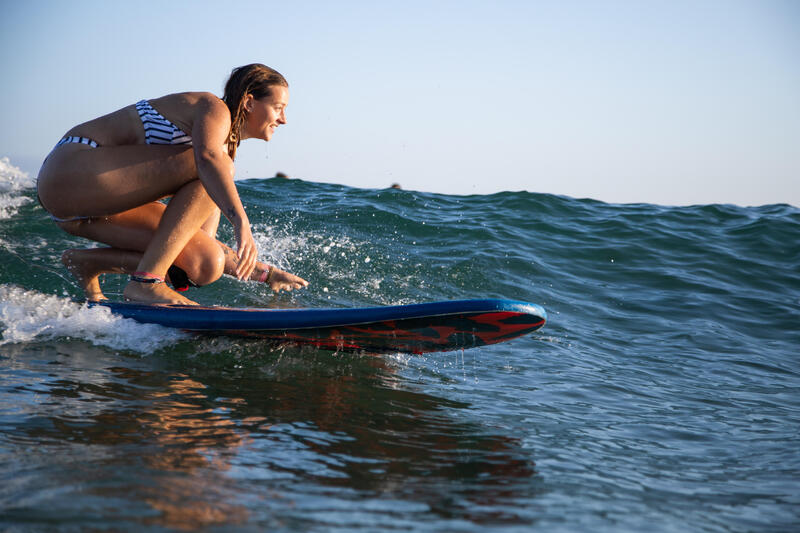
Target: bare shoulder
point(189, 109)
point(205, 103)
point(208, 118)
point(211, 116)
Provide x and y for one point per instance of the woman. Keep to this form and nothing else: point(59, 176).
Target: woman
point(103, 181)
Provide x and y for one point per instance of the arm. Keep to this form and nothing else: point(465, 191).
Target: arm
point(215, 170)
point(277, 279)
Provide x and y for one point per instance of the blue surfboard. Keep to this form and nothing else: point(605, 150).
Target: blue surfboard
point(416, 328)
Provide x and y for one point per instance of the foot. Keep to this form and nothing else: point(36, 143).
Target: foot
point(86, 271)
point(279, 280)
point(153, 293)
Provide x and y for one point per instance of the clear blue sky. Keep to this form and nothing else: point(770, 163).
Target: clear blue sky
point(673, 102)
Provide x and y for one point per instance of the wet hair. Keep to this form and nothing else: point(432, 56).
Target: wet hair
point(255, 79)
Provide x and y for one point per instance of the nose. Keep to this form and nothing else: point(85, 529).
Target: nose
point(282, 118)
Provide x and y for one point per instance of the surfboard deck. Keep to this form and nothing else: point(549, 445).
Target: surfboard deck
point(415, 328)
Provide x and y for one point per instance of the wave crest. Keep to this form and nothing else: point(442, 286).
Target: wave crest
point(31, 316)
point(13, 185)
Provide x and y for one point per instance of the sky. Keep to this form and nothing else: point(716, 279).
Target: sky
point(666, 102)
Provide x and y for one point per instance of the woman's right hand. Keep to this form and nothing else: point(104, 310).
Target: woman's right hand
point(247, 251)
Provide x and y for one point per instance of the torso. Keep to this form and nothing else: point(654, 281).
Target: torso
point(124, 127)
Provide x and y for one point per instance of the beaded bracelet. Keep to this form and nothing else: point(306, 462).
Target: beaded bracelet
point(265, 275)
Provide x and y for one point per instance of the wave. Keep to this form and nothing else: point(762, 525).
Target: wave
point(28, 316)
point(621, 269)
point(13, 185)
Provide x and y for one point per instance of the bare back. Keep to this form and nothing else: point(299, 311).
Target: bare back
point(124, 127)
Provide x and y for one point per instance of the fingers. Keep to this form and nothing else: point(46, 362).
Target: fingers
point(248, 254)
point(288, 287)
point(247, 262)
point(280, 285)
point(280, 280)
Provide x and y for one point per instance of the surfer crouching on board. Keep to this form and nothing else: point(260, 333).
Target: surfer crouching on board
point(104, 178)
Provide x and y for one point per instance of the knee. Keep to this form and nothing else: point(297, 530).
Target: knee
point(214, 265)
point(207, 267)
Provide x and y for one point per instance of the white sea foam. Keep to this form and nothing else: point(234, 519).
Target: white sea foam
point(13, 183)
point(293, 250)
point(31, 316)
point(278, 245)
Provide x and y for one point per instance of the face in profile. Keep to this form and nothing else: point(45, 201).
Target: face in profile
point(266, 114)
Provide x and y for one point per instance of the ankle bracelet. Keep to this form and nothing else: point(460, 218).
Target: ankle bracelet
point(146, 277)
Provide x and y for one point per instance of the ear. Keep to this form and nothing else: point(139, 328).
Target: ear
point(248, 102)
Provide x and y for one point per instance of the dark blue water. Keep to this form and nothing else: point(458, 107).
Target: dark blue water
point(663, 394)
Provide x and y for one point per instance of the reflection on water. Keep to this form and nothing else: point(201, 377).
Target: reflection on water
point(292, 439)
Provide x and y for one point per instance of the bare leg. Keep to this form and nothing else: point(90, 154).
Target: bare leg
point(76, 180)
point(183, 217)
point(102, 181)
point(87, 265)
point(204, 258)
point(201, 258)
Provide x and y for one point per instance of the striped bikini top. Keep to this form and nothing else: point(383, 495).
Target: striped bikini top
point(157, 129)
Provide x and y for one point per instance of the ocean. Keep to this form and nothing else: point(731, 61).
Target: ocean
point(662, 395)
